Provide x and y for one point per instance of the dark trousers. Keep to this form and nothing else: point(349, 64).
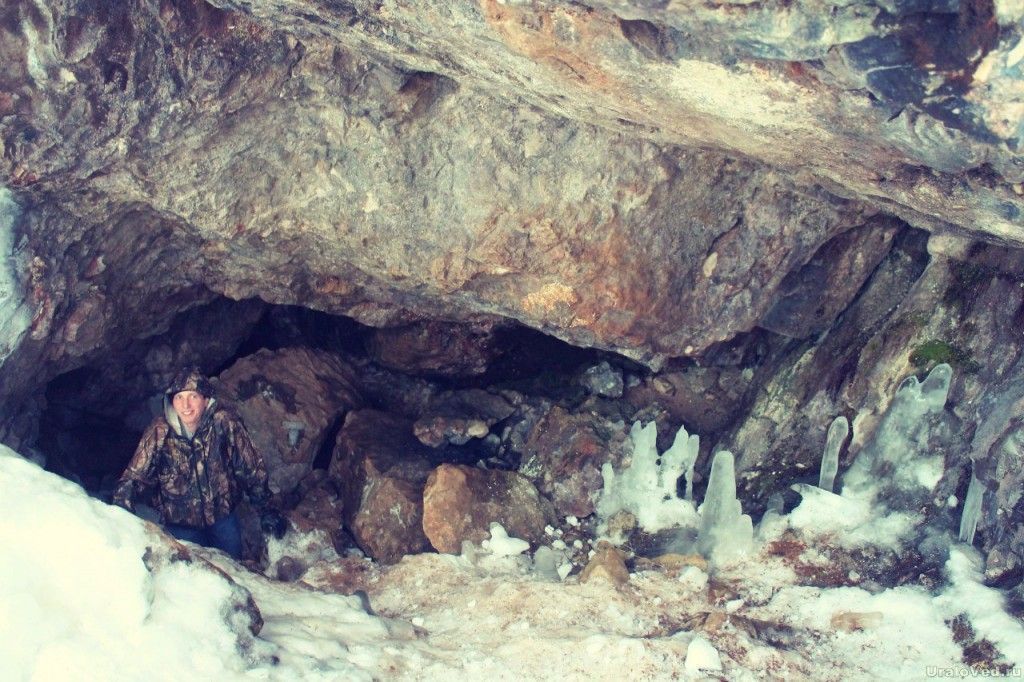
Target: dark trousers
point(225, 535)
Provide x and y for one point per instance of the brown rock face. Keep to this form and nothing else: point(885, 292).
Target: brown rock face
point(435, 348)
point(564, 453)
point(381, 470)
point(288, 400)
point(460, 503)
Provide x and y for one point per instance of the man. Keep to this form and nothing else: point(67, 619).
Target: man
point(200, 460)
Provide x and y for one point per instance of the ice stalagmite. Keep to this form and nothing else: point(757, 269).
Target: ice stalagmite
point(15, 316)
point(681, 457)
point(647, 487)
point(837, 433)
point(725, 531)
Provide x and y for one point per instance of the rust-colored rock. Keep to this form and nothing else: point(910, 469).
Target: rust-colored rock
point(381, 470)
point(460, 503)
point(564, 454)
point(608, 563)
point(435, 348)
point(289, 399)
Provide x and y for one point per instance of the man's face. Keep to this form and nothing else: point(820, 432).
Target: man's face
point(190, 406)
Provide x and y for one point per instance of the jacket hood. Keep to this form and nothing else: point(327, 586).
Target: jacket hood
point(172, 416)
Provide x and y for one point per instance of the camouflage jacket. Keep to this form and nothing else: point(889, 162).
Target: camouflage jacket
point(199, 480)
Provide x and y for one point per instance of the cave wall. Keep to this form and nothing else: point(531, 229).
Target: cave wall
point(783, 195)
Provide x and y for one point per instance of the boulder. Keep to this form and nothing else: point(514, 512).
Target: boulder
point(289, 399)
point(564, 453)
point(456, 417)
point(461, 502)
point(320, 507)
point(381, 469)
point(608, 563)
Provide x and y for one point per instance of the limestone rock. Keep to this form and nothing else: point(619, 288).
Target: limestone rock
point(460, 503)
point(608, 563)
point(288, 400)
point(381, 470)
point(811, 297)
point(564, 454)
point(602, 380)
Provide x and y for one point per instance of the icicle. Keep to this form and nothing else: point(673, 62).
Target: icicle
point(294, 429)
point(935, 387)
point(837, 433)
point(972, 510)
point(725, 530)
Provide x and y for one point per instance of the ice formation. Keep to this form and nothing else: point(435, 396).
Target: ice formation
point(725, 531)
point(500, 544)
point(14, 314)
point(898, 455)
point(972, 510)
point(647, 487)
point(837, 433)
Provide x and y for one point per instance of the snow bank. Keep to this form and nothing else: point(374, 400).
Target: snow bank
point(983, 605)
point(853, 521)
point(78, 602)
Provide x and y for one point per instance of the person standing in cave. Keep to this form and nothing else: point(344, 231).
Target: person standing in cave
point(198, 460)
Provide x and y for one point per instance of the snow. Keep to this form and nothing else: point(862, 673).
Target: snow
point(852, 520)
point(77, 601)
point(89, 591)
point(701, 656)
point(983, 605)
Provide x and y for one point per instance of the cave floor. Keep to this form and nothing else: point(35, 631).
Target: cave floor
point(477, 616)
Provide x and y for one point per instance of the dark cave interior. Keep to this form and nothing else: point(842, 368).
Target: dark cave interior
point(94, 415)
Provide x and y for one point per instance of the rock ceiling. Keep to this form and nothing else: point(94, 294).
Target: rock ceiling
point(635, 176)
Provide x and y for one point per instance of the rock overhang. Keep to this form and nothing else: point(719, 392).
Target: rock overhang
point(638, 177)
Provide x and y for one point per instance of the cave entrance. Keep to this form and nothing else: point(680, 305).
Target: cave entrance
point(95, 414)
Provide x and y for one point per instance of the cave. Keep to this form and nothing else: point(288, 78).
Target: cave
point(93, 416)
point(473, 248)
